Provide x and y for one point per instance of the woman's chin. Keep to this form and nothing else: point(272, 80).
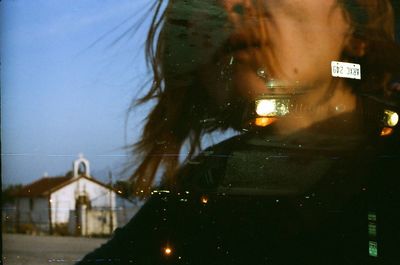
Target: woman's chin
point(250, 85)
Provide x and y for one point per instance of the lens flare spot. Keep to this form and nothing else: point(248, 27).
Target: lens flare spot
point(167, 251)
point(204, 199)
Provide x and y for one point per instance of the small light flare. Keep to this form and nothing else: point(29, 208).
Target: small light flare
point(167, 251)
point(391, 118)
point(264, 121)
point(204, 199)
point(386, 131)
point(266, 107)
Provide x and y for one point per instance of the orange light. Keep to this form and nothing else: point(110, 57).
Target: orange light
point(204, 199)
point(386, 131)
point(167, 251)
point(264, 121)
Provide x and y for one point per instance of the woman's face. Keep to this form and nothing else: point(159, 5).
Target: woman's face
point(279, 43)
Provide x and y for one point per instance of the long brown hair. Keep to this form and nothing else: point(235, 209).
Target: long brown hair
point(373, 26)
point(184, 111)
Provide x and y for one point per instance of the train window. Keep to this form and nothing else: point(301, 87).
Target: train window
point(306, 96)
point(267, 132)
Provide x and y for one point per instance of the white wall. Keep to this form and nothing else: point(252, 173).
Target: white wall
point(93, 222)
point(63, 200)
point(99, 222)
point(62, 204)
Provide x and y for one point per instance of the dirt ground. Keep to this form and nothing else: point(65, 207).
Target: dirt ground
point(38, 250)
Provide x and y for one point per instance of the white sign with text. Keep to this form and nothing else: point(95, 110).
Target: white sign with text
point(346, 70)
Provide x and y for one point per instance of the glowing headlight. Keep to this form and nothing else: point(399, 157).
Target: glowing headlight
point(266, 107)
point(391, 118)
point(272, 107)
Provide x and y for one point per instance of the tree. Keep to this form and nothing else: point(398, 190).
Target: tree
point(9, 194)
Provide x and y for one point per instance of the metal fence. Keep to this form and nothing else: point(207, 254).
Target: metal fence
point(14, 221)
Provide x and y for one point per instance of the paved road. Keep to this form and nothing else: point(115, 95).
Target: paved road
point(40, 250)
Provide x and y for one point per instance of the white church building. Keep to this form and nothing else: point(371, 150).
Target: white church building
point(75, 204)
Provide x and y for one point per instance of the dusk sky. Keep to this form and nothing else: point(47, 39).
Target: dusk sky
point(69, 71)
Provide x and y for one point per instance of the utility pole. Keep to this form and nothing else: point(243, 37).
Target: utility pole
point(110, 197)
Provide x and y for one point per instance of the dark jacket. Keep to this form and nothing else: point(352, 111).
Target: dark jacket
point(329, 194)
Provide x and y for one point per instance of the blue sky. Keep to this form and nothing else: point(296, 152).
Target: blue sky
point(66, 85)
point(67, 80)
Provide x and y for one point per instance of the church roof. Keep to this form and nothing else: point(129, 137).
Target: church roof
point(46, 185)
point(41, 187)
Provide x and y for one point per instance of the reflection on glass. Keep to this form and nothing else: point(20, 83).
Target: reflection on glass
point(220, 65)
